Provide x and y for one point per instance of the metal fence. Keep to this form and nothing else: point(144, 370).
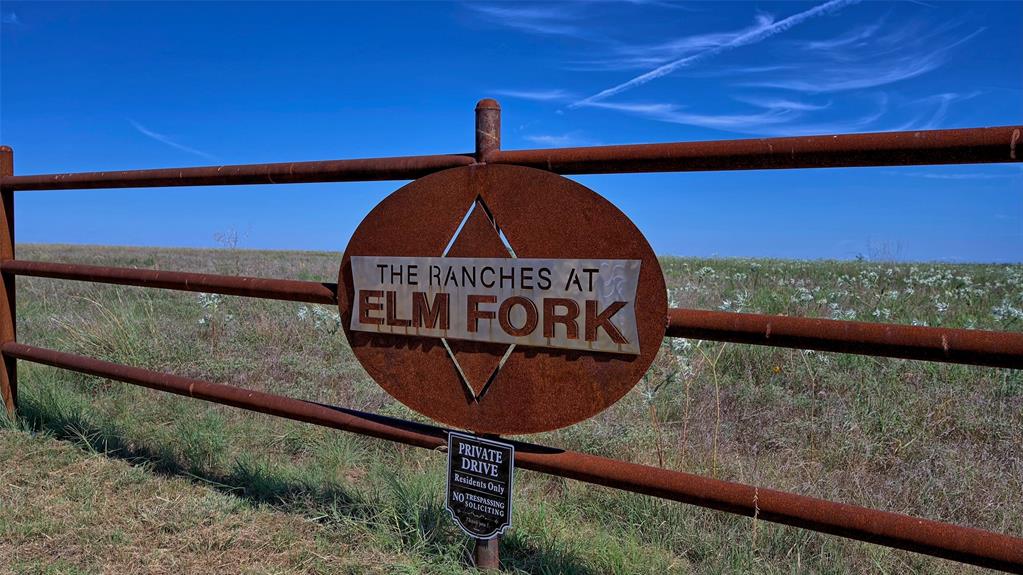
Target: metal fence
point(988, 348)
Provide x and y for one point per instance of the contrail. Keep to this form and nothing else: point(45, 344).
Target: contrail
point(166, 140)
point(751, 37)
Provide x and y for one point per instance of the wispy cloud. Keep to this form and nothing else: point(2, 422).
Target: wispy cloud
point(818, 84)
point(559, 140)
point(773, 121)
point(685, 6)
point(852, 39)
point(867, 73)
point(854, 78)
point(784, 117)
point(953, 176)
point(737, 71)
point(625, 56)
point(674, 114)
point(771, 102)
point(10, 18)
point(544, 19)
point(552, 95)
point(865, 122)
point(764, 29)
point(933, 110)
point(168, 141)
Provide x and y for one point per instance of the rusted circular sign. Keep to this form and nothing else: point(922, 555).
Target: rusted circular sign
point(502, 299)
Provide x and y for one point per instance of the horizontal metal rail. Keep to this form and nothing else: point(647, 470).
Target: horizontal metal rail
point(965, 146)
point(362, 170)
point(287, 290)
point(968, 346)
point(965, 544)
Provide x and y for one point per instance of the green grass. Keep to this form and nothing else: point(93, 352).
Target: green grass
point(101, 476)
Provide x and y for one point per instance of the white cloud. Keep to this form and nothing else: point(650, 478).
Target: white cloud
point(954, 176)
point(552, 95)
point(853, 39)
point(10, 18)
point(783, 103)
point(764, 29)
point(633, 56)
point(168, 141)
point(845, 65)
point(543, 19)
point(674, 114)
point(559, 140)
point(725, 71)
point(893, 61)
point(774, 121)
point(663, 4)
point(934, 109)
point(866, 122)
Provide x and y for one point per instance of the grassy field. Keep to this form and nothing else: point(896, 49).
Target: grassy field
point(103, 477)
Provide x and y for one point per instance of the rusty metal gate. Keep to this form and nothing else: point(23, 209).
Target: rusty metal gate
point(976, 347)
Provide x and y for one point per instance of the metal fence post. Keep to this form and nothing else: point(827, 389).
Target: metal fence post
point(488, 128)
point(486, 555)
point(8, 321)
point(486, 552)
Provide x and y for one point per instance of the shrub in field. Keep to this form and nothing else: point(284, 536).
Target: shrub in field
point(215, 317)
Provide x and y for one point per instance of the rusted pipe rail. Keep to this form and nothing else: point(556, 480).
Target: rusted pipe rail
point(287, 290)
point(969, 545)
point(968, 346)
point(965, 146)
point(362, 170)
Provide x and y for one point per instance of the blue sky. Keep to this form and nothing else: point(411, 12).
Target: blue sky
point(87, 87)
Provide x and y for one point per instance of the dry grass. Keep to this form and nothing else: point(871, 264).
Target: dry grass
point(69, 511)
point(257, 494)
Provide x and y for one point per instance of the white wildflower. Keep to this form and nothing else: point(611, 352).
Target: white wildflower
point(705, 273)
point(1007, 312)
point(681, 345)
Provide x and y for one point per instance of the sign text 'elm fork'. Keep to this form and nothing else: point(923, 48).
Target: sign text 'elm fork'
point(564, 303)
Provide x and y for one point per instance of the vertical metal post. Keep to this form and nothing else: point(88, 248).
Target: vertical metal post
point(8, 321)
point(488, 139)
point(486, 555)
point(488, 128)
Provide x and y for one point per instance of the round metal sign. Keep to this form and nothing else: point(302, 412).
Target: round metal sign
point(502, 299)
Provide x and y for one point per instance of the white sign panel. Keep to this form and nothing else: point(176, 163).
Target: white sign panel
point(568, 304)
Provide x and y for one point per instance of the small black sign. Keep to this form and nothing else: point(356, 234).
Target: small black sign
point(480, 475)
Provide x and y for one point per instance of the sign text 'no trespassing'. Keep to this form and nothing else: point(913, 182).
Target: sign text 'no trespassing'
point(481, 473)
